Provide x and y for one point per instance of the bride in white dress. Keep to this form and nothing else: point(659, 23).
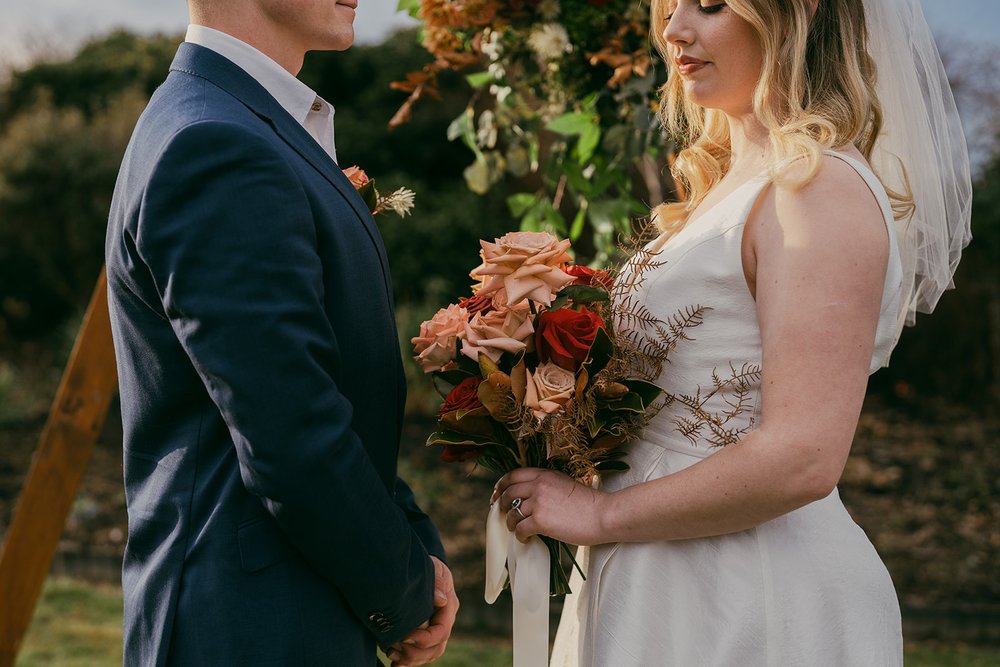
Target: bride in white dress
point(727, 544)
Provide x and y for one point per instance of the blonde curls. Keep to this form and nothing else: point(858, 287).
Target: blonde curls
point(816, 92)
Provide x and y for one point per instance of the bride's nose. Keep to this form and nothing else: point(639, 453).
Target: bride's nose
point(678, 30)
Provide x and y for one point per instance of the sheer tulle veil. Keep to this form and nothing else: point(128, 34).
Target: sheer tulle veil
point(921, 145)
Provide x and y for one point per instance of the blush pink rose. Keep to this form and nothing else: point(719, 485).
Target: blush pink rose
point(549, 389)
point(496, 332)
point(437, 345)
point(525, 264)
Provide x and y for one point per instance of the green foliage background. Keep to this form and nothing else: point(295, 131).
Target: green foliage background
point(64, 125)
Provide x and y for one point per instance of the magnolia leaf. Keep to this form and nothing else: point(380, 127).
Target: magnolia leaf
point(600, 353)
point(369, 194)
point(631, 402)
point(584, 294)
point(445, 437)
point(486, 365)
point(454, 377)
point(494, 393)
point(582, 378)
point(519, 380)
point(612, 466)
point(610, 391)
point(475, 422)
point(647, 391)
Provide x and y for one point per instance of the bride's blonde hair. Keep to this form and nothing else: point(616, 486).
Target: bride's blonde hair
point(816, 91)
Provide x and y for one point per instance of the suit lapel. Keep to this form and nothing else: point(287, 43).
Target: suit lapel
point(222, 72)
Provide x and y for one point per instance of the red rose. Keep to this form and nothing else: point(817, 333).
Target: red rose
point(564, 336)
point(590, 277)
point(459, 453)
point(481, 303)
point(462, 397)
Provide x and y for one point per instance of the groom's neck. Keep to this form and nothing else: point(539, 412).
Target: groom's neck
point(244, 21)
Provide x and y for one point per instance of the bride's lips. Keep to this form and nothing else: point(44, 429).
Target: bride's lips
point(687, 65)
point(353, 4)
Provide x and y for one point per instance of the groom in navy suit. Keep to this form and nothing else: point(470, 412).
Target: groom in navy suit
point(261, 382)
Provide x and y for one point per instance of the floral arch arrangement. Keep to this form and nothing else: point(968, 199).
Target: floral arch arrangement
point(562, 111)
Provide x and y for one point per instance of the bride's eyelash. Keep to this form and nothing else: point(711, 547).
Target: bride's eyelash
point(709, 9)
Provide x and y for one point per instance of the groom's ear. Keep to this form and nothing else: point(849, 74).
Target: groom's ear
point(813, 6)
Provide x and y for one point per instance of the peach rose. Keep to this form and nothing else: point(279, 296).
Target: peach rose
point(549, 389)
point(525, 264)
point(437, 344)
point(356, 176)
point(496, 332)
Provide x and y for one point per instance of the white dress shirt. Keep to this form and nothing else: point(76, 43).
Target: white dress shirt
point(300, 101)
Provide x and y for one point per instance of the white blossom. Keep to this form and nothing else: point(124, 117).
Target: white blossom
point(549, 41)
point(549, 9)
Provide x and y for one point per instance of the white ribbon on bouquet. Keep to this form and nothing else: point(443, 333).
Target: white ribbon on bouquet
point(528, 567)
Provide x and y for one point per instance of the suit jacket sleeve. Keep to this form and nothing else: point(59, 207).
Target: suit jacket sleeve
point(420, 522)
point(228, 235)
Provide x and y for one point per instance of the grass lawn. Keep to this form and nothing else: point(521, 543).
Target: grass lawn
point(78, 624)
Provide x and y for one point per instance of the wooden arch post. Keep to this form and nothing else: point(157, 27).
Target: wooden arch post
point(88, 385)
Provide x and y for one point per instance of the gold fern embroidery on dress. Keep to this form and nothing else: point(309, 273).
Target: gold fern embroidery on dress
point(720, 427)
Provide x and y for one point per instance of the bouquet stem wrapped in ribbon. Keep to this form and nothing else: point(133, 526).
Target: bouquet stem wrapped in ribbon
point(536, 375)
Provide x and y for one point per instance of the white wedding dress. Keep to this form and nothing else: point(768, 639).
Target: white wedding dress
point(805, 589)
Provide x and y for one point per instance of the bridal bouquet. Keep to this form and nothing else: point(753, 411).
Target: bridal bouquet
point(534, 372)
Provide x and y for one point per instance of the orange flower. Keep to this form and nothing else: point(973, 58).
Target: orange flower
point(496, 332)
point(549, 389)
point(356, 176)
point(437, 344)
point(525, 264)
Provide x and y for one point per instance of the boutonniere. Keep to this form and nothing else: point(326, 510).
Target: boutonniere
point(399, 202)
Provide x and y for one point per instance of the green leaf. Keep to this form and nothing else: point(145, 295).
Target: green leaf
point(585, 147)
point(369, 194)
point(463, 127)
point(478, 79)
point(584, 294)
point(411, 7)
point(600, 353)
point(610, 466)
point(521, 202)
point(575, 178)
point(573, 123)
point(606, 215)
point(581, 217)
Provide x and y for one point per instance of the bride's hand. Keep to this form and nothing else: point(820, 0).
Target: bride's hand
point(552, 504)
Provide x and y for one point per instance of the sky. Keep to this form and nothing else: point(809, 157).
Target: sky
point(43, 25)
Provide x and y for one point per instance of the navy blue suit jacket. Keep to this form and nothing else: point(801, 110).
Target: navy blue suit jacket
point(261, 388)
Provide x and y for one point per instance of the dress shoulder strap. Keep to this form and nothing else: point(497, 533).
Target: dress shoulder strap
point(871, 180)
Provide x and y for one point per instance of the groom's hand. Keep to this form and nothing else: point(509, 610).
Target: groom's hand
point(427, 643)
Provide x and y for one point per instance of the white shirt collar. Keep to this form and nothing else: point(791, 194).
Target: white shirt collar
point(300, 101)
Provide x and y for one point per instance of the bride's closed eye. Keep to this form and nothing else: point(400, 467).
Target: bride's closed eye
point(711, 9)
point(704, 9)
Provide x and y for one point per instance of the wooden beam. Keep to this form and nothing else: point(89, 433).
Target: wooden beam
point(88, 385)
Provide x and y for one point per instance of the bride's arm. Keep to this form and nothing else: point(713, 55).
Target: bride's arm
point(817, 259)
